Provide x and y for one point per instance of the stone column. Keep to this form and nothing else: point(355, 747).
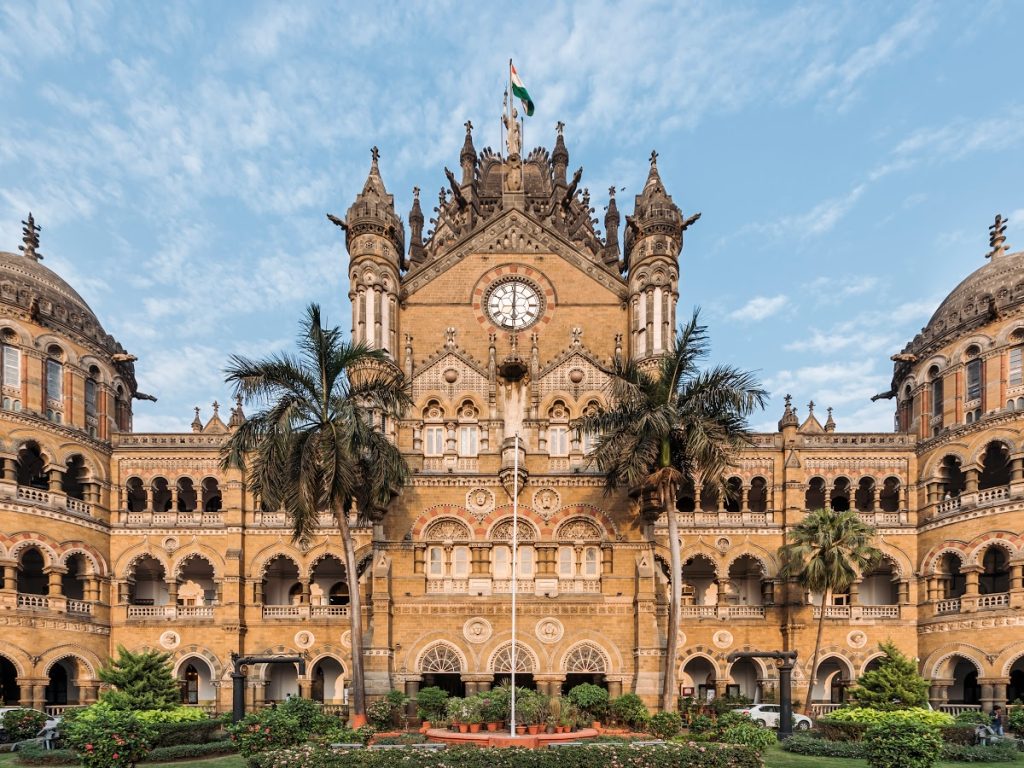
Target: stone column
point(614, 689)
point(304, 596)
point(993, 692)
point(257, 592)
point(903, 592)
point(10, 471)
point(10, 576)
point(54, 585)
point(172, 591)
point(855, 592)
point(412, 690)
point(744, 498)
point(938, 692)
point(1016, 469)
point(971, 478)
point(723, 591)
point(56, 480)
point(470, 687)
point(484, 685)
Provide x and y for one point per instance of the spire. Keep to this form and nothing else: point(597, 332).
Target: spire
point(237, 414)
point(467, 158)
point(830, 423)
point(811, 424)
point(996, 237)
point(653, 177)
point(611, 229)
point(560, 155)
point(30, 237)
point(373, 212)
point(789, 418)
point(416, 254)
point(197, 425)
point(654, 213)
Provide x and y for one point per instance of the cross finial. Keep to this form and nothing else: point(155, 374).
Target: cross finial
point(30, 237)
point(375, 154)
point(789, 401)
point(469, 126)
point(997, 237)
point(416, 193)
point(559, 127)
point(197, 411)
point(611, 191)
point(216, 407)
point(810, 407)
point(654, 157)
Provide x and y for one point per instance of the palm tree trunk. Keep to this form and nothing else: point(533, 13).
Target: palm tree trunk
point(668, 692)
point(356, 620)
point(826, 598)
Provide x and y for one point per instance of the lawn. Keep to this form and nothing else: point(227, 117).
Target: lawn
point(227, 761)
point(777, 758)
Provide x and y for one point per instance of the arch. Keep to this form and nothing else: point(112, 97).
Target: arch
point(579, 528)
point(201, 652)
point(196, 552)
point(869, 662)
point(501, 530)
point(994, 461)
point(441, 657)
point(197, 677)
point(500, 660)
point(447, 529)
point(979, 546)
point(36, 541)
point(269, 554)
point(131, 557)
point(585, 657)
point(937, 663)
point(769, 564)
point(87, 660)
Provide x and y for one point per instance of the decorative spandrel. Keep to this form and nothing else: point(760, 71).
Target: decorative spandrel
point(503, 531)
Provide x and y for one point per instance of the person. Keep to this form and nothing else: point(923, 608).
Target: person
point(997, 720)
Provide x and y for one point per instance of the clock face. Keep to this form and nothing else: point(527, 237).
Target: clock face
point(514, 304)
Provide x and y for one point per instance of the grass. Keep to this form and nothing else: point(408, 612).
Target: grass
point(776, 757)
point(225, 761)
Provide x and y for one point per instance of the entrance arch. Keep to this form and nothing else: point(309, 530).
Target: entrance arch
point(196, 680)
point(585, 663)
point(526, 665)
point(10, 691)
point(328, 681)
point(442, 665)
point(833, 677)
point(699, 675)
point(744, 675)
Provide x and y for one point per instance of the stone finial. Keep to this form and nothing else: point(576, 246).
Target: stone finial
point(997, 237)
point(30, 238)
point(374, 155)
point(577, 336)
point(830, 423)
point(654, 157)
point(449, 336)
point(789, 418)
point(237, 414)
point(216, 409)
point(197, 425)
point(469, 126)
point(559, 127)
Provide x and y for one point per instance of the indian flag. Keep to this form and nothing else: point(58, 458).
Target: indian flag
point(520, 92)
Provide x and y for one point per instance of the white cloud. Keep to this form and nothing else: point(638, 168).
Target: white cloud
point(760, 308)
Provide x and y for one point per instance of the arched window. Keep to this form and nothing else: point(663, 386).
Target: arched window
point(440, 659)
point(469, 430)
point(161, 495)
point(995, 471)
point(995, 578)
point(186, 495)
point(935, 377)
point(135, 495)
point(814, 498)
point(55, 384)
point(951, 477)
point(433, 429)
point(889, 498)
point(92, 401)
point(975, 377)
point(1015, 374)
point(211, 495)
point(31, 467)
point(733, 491)
point(10, 370)
point(757, 496)
point(73, 482)
point(558, 429)
point(840, 497)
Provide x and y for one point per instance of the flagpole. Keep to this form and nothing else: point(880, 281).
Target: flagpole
point(515, 576)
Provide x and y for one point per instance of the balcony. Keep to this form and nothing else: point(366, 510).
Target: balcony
point(993, 495)
point(195, 519)
point(993, 602)
point(447, 586)
point(722, 611)
point(859, 612)
point(951, 605)
point(79, 607)
point(33, 602)
point(701, 519)
point(169, 612)
point(586, 586)
point(329, 611)
point(285, 611)
point(34, 495)
point(504, 586)
point(948, 506)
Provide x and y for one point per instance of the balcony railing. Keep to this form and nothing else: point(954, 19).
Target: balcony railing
point(993, 495)
point(79, 507)
point(948, 506)
point(328, 611)
point(956, 709)
point(822, 709)
point(994, 602)
point(285, 611)
point(33, 602)
point(193, 519)
point(722, 611)
point(160, 612)
point(446, 586)
point(27, 493)
point(701, 519)
point(504, 586)
point(590, 586)
point(698, 611)
point(951, 605)
point(80, 607)
point(858, 612)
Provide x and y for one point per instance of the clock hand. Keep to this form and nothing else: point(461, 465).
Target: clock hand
point(514, 302)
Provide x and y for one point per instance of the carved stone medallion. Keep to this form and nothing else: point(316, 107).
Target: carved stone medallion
point(480, 503)
point(304, 639)
point(856, 639)
point(546, 502)
point(723, 544)
point(170, 640)
point(549, 630)
point(722, 638)
point(477, 630)
point(346, 638)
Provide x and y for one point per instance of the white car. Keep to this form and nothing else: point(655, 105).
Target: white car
point(768, 715)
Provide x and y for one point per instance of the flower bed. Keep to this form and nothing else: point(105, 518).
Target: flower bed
point(1004, 751)
point(584, 756)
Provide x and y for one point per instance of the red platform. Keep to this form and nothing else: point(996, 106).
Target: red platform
point(505, 739)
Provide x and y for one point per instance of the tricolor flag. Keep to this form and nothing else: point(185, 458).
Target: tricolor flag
point(520, 92)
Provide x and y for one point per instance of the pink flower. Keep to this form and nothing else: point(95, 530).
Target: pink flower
point(115, 755)
point(88, 747)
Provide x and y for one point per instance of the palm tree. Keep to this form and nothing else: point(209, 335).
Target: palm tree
point(826, 552)
point(664, 423)
point(315, 445)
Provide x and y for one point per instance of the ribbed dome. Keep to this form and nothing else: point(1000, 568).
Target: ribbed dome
point(26, 273)
point(995, 287)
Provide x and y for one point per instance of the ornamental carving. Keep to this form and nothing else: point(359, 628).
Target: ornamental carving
point(578, 529)
point(856, 639)
point(170, 640)
point(586, 658)
point(346, 638)
point(722, 638)
point(549, 630)
point(477, 630)
point(503, 531)
point(546, 502)
point(447, 529)
point(440, 659)
point(480, 503)
point(304, 639)
point(501, 662)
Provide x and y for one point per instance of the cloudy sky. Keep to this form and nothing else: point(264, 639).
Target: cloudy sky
point(847, 159)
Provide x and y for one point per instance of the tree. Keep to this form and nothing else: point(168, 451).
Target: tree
point(894, 684)
point(826, 552)
point(665, 422)
point(315, 444)
point(141, 681)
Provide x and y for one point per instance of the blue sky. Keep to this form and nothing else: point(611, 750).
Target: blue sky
point(847, 159)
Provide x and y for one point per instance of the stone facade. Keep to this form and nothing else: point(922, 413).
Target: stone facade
point(506, 316)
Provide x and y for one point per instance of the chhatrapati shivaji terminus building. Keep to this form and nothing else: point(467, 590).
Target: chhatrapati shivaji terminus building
point(506, 311)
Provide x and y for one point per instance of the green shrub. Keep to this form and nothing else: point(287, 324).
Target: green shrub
point(266, 730)
point(813, 746)
point(1004, 751)
point(1015, 719)
point(34, 754)
point(973, 717)
point(191, 751)
point(894, 684)
point(108, 738)
point(701, 724)
point(902, 743)
point(141, 681)
point(665, 725)
point(380, 714)
point(591, 699)
point(588, 756)
point(629, 709)
point(751, 735)
point(194, 732)
point(180, 714)
point(851, 723)
point(959, 734)
point(23, 723)
point(729, 719)
point(430, 703)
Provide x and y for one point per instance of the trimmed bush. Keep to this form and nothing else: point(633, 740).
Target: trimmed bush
point(902, 743)
point(851, 723)
point(191, 733)
point(801, 744)
point(751, 735)
point(665, 725)
point(430, 703)
point(629, 709)
point(109, 738)
point(963, 735)
point(973, 717)
point(266, 730)
point(1015, 719)
point(591, 699)
point(23, 723)
point(1001, 752)
point(701, 724)
point(1004, 751)
point(33, 754)
point(584, 756)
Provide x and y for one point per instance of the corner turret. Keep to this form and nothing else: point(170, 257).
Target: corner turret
point(416, 252)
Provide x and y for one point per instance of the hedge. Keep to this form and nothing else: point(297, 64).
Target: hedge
point(32, 754)
point(187, 733)
point(1002, 751)
point(584, 756)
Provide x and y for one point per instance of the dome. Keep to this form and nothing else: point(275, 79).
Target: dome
point(24, 273)
point(992, 289)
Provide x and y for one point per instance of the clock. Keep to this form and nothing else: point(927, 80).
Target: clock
point(514, 303)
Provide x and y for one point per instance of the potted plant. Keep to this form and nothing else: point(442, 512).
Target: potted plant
point(453, 707)
point(430, 705)
point(592, 701)
point(471, 707)
point(490, 710)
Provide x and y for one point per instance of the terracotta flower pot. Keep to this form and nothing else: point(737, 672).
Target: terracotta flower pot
point(492, 727)
point(425, 726)
point(596, 725)
point(474, 727)
point(533, 730)
point(520, 730)
point(463, 727)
